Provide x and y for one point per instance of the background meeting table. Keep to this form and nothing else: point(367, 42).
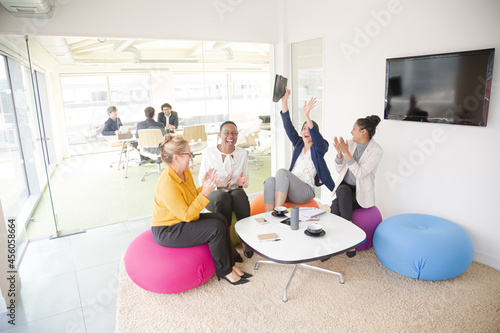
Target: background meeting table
point(295, 247)
point(127, 141)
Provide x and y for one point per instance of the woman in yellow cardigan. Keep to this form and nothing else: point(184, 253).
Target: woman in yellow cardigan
point(177, 221)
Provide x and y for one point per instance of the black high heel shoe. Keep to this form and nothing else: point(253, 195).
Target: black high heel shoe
point(246, 275)
point(238, 258)
point(248, 254)
point(240, 281)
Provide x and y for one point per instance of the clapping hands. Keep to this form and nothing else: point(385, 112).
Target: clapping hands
point(241, 180)
point(226, 181)
point(209, 181)
point(341, 146)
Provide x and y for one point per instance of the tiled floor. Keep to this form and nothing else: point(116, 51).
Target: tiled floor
point(70, 284)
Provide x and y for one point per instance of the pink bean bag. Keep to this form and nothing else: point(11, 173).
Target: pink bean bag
point(167, 270)
point(367, 219)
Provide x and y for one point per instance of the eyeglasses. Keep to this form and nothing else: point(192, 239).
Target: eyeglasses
point(228, 132)
point(191, 154)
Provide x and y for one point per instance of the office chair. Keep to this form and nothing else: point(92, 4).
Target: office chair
point(149, 139)
point(251, 135)
point(250, 144)
point(196, 135)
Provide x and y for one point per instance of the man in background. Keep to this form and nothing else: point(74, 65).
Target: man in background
point(149, 123)
point(168, 118)
point(113, 124)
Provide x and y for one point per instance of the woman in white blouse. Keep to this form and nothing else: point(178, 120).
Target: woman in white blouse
point(308, 167)
point(231, 163)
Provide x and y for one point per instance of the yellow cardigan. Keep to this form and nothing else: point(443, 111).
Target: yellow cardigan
point(176, 200)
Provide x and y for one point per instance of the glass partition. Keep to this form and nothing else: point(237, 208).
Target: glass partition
point(13, 184)
point(92, 185)
point(85, 99)
point(307, 82)
point(307, 74)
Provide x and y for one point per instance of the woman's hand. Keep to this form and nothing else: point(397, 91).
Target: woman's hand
point(241, 180)
point(226, 181)
point(342, 147)
point(209, 182)
point(308, 106)
point(207, 175)
point(336, 144)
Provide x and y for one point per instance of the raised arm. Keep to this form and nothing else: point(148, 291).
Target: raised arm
point(284, 100)
point(308, 106)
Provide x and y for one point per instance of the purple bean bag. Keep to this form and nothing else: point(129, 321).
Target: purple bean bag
point(367, 219)
point(167, 270)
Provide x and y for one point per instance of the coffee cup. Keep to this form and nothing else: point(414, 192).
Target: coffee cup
point(280, 210)
point(314, 228)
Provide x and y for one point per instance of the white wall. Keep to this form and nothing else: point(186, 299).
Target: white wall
point(455, 175)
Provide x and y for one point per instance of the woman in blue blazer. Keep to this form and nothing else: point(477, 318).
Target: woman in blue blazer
point(308, 167)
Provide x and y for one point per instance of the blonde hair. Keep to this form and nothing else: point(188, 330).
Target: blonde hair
point(172, 145)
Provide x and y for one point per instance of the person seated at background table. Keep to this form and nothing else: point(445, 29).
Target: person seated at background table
point(149, 123)
point(231, 164)
point(168, 118)
point(356, 162)
point(113, 124)
point(177, 220)
point(308, 167)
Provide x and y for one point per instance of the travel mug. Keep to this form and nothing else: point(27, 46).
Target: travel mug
point(294, 218)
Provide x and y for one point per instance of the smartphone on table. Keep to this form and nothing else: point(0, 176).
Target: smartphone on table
point(261, 220)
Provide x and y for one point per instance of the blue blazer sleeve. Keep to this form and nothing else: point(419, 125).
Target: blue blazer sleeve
point(109, 127)
point(291, 132)
point(318, 140)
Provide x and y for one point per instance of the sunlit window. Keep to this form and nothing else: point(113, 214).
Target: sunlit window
point(86, 99)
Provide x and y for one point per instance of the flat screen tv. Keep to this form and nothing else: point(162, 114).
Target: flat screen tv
point(451, 88)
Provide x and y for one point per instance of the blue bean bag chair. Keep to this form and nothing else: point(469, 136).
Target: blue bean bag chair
point(423, 247)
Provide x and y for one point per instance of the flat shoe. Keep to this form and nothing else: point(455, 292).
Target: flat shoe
point(248, 254)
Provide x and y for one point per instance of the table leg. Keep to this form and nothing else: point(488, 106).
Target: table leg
point(288, 284)
point(121, 153)
point(126, 163)
point(268, 262)
point(314, 268)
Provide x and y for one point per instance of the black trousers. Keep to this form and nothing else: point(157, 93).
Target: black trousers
point(210, 228)
point(227, 202)
point(345, 202)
